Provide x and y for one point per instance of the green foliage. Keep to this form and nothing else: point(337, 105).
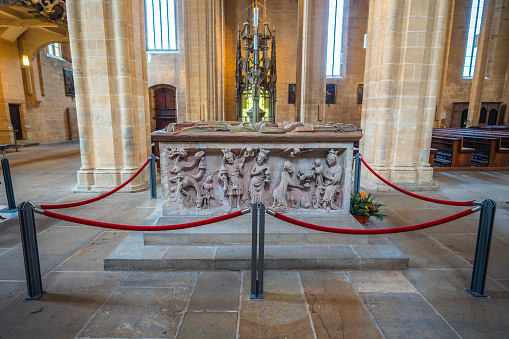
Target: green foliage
point(364, 204)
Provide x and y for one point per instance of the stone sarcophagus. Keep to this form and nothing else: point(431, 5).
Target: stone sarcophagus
point(215, 172)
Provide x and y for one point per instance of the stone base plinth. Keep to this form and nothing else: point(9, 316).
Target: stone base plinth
point(410, 178)
point(104, 180)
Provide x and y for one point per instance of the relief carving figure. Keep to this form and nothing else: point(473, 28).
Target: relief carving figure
point(280, 192)
point(207, 190)
point(332, 178)
point(230, 175)
point(260, 177)
point(183, 180)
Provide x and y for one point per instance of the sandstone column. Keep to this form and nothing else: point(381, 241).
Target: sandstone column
point(474, 106)
point(110, 70)
point(203, 27)
point(311, 59)
point(404, 47)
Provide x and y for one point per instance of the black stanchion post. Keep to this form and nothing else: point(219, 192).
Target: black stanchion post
point(30, 251)
point(153, 183)
point(257, 251)
point(8, 180)
point(482, 249)
point(357, 174)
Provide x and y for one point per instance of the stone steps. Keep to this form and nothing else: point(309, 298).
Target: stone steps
point(133, 255)
point(227, 246)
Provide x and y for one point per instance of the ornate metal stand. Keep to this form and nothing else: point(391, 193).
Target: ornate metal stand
point(258, 251)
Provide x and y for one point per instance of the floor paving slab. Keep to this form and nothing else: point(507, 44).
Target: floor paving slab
point(216, 291)
point(380, 281)
point(220, 325)
point(335, 307)
point(135, 312)
point(91, 257)
point(71, 299)
point(160, 279)
point(464, 246)
point(282, 314)
point(56, 245)
point(406, 315)
point(10, 290)
point(470, 317)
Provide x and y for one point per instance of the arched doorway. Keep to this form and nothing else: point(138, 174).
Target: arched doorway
point(164, 105)
point(492, 117)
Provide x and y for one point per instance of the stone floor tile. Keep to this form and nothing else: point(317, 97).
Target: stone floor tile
point(380, 281)
point(504, 282)
point(55, 246)
point(2, 250)
point(216, 291)
point(464, 246)
point(470, 317)
point(134, 312)
point(282, 314)
point(70, 301)
point(406, 315)
point(91, 257)
point(9, 290)
point(220, 325)
point(160, 279)
point(335, 307)
point(424, 252)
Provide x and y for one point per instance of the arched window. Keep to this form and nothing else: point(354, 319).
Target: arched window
point(161, 23)
point(334, 38)
point(474, 28)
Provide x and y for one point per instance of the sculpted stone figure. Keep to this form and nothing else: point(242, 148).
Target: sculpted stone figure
point(183, 180)
point(260, 177)
point(332, 178)
point(280, 192)
point(207, 190)
point(230, 175)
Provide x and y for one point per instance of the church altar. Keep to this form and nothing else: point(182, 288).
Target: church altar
point(212, 168)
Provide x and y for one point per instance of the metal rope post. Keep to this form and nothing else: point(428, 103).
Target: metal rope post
point(482, 249)
point(257, 251)
point(153, 183)
point(357, 177)
point(30, 251)
point(8, 180)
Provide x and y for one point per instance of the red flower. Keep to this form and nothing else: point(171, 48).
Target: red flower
point(373, 207)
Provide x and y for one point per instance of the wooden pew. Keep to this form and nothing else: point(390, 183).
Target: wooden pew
point(460, 156)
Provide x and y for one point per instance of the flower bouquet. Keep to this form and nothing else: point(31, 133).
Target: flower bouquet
point(363, 206)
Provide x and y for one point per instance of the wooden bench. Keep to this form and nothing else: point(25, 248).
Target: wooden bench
point(460, 156)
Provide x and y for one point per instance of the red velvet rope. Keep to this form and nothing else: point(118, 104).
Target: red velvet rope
point(141, 228)
point(374, 231)
point(438, 201)
point(102, 196)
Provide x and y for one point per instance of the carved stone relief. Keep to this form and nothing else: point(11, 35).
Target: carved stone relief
point(219, 180)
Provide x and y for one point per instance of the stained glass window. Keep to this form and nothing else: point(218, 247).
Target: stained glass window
point(55, 50)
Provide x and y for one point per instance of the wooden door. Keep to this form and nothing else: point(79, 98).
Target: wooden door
point(164, 107)
point(458, 118)
point(16, 120)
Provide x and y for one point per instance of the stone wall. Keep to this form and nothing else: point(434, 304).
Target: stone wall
point(457, 88)
point(11, 86)
point(169, 69)
point(40, 92)
point(48, 107)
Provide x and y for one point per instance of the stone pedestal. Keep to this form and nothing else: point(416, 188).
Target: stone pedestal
point(217, 172)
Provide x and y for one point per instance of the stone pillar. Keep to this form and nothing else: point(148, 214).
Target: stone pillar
point(404, 48)
point(311, 59)
point(474, 106)
point(444, 64)
point(110, 72)
point(203, 27)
